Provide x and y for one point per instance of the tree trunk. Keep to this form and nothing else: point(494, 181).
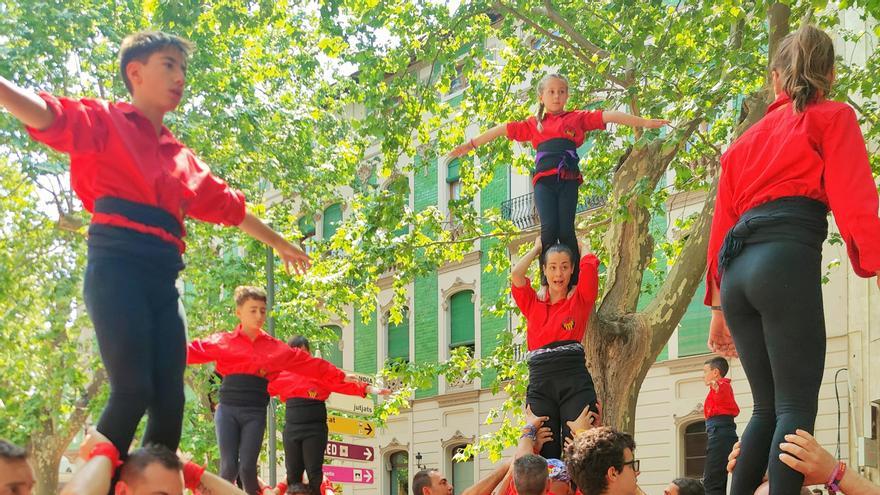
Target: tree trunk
point(621, 344)
point(45, 460)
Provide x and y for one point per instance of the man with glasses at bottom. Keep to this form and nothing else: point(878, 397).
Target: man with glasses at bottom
point(601, 461)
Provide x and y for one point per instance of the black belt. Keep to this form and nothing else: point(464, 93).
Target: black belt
point(244, 390)
point(560, 154)
point(794, 218)
point(151, 216)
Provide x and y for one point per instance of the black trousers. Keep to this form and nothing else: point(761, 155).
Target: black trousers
point(772, 300)
point(305, 440)
point(240, 432)
point(556, 200)
point(721, 433)
point(141, 331)
point(560, 387)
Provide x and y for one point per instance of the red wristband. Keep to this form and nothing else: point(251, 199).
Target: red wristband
point(107, 450)
point(282, 487)
point(192, 475)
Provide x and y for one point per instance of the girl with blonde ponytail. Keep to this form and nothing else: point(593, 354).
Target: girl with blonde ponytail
point(556, 134)
point(778, 182)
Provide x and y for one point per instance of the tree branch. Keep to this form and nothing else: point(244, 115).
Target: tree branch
point(580, 54)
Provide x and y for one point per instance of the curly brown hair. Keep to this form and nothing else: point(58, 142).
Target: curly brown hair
point(244, 293)
point(592, 453)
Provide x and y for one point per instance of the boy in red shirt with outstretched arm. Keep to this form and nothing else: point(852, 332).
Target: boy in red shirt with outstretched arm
point(139, 182)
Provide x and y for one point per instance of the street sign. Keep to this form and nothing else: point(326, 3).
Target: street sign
point(349, 426)
point(371, 379)
point(343, 474)
point(349, 451)
point(350, 404)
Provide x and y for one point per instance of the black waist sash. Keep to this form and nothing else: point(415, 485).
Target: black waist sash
point(559, 154)
point(244, 390)
point(111, 241)
point(794, 218)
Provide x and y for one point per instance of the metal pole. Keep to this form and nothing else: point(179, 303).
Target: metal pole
point(270, 296)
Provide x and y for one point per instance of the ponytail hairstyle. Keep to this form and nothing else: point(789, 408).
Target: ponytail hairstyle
point(804, 62)
point(539, 116)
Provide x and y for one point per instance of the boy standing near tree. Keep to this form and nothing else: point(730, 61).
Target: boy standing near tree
point(720, 409)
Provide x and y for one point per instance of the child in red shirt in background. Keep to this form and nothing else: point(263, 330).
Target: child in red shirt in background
point(556, 134)
point(248, 358)
point(719, 409)
point(139, 182)
point(305, 420)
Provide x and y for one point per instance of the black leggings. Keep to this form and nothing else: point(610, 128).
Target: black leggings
point(305, 440)
point(772, 300)
point(556, 200)
point(560, 387)
point(141, 333)
point(240, 432)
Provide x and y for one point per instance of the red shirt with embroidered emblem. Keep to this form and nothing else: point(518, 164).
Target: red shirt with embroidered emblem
point(567, 125)
point(720, 402)
point(566, 319)
point(819, 153)
point(289, 385)
point(265, 356)
point(114, 151)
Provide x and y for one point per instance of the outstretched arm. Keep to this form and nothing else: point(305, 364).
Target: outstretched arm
point(292, 256)
point(25, 105)
point(486, 137)
point(614, 117)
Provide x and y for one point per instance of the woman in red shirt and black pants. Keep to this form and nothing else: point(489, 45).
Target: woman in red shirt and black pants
point(305, 421)
point(248, 358)
point(560, 386)
point(777, 183)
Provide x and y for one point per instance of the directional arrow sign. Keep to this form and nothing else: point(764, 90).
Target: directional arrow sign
point(343, 474)
point(349, 451)
point(350, 404)
point(349, 426)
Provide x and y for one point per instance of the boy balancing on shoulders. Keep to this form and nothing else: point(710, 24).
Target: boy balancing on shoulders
point(139, 182)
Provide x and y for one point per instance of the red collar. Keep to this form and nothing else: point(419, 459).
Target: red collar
point(238, 333)
point(781, 100)
point(165, 135)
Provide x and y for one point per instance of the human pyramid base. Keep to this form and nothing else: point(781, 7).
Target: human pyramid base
point(777, 183)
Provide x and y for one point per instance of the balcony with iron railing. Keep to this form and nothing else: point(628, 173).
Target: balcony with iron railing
point(522, 211)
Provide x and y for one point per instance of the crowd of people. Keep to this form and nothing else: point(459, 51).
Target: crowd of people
point(777, 184)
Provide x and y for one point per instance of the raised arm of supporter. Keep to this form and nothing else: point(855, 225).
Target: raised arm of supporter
point(521, 268)
point(588, 280)
point(488, 484)
point(529, 437)
point(25, 105)
point(472, 144)
point(95, 476)
point(614, 117)
point(852, 192)
point(803, 453)
point(293, 257)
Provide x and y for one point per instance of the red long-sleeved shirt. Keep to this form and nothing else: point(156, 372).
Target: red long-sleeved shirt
point(567, 125)
point(720, 402)
point(264, 356)
point(566, 319)
point(114, 151)
point(819, 153)
point(288, 385)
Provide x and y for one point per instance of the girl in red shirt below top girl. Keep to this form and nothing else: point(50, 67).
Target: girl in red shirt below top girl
point(248, 358)
point(556, 134)
point(560, 386)
point(139, 183)
point(305, 421)
point(777, 183)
